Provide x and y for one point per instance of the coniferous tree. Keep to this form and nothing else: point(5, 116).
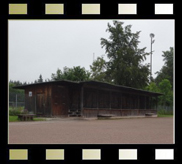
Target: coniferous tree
point(40, 80)
point(125, 65)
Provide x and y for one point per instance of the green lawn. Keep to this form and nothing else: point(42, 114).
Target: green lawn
point(165, 115)
point(15, 119)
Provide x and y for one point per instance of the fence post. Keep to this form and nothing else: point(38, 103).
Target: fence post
point(35, 105)
point(16, 101)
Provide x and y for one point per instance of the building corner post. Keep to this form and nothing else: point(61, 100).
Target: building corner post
point(81, 100)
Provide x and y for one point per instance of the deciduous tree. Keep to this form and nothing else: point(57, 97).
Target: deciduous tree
point(73, 74)
point(167, 70)
point(98, 70)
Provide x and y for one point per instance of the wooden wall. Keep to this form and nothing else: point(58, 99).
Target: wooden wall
point(98, 98)
point(90, 112)
point(74, 98)
point(57, 100)
point(60, 100)
point(107, 101)
point(40, 100)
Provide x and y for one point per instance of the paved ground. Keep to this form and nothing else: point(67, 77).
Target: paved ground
point(70, 131)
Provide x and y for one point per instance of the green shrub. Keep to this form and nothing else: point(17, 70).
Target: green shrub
point(16, 111)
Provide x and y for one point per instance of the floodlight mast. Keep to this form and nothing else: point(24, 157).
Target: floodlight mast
point(152, 41)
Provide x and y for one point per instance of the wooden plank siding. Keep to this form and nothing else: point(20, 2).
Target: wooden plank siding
point(90, 112)
point(98, 101)
point(58, 98)
point(40, 101)
point(60, 101)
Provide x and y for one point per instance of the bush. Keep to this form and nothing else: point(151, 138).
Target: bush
point(15, 112)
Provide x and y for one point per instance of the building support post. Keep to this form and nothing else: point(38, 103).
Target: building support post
point(16, 101)
point(156, 102)
point(145, 103)
point(121, 101)
point(97, 101)
point(138, 102)
point(138, 105)
point(35, 105)
point(151, 104)
point(81, 100)
point(110, 100)
point(121, 106)
point(130, 100)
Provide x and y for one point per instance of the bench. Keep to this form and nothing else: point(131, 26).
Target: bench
point(26, 117)
point(74, 113)
point(149, 114)
point(104, 115)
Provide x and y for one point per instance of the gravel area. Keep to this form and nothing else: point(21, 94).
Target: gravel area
point(90, 131)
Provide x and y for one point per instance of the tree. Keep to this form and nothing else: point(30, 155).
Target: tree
point(13, 92)
point(25, 83)
point(40, 80)
point(98, 70)
point(125, 58)
point(152, 87)
point(73, 74)
point(16, 83)
point(167, 70)
point(58, 75)
point(165, 88)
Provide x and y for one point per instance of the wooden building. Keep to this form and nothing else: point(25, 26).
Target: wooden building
point(87, 99)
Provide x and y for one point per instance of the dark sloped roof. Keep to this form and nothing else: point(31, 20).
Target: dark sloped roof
point(49, 82)
point(96, 83)
point(122, 87)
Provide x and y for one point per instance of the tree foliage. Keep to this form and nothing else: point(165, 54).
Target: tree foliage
point(167, 70)
point(40, 80)
point(125, 58)
point(163, 87)
point(13, 92)
point(74, 74)
point(98, 70)
point(166, 88)
point(152, 87)
point(16, 83)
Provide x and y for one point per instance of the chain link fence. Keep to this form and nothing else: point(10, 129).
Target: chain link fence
point(14, 105)
point(165, 109)
point(16, 100)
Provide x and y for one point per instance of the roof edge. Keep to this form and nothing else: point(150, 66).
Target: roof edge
point(89, 81)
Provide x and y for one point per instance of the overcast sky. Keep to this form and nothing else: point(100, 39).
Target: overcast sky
point(42, 46)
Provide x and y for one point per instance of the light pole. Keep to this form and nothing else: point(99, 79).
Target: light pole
point(152, 41)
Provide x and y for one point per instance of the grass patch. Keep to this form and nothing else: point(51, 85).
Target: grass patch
point(39, 119)
point(162, 115)
point(15, 119)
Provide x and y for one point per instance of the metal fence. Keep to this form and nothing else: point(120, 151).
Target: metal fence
point(15, 104)
point(165, 109)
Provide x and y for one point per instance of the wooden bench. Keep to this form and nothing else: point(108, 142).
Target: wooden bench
point(26, 117)
point(149, 114)
point(74, 113)
point(104, 115)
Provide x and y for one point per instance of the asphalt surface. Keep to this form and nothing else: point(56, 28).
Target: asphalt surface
point(72, 131)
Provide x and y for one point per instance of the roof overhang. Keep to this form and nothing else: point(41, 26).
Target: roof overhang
point(95, 83)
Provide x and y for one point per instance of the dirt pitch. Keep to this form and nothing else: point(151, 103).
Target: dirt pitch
point(77, 131)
